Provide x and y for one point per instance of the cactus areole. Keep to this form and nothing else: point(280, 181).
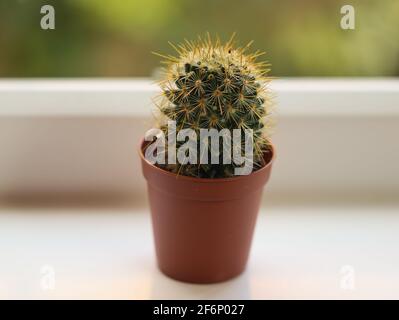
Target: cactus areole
point(208, 159)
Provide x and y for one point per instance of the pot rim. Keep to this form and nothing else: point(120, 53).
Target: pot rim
point(206, 180)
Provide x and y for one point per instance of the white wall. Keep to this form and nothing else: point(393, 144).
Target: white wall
point(71, 138)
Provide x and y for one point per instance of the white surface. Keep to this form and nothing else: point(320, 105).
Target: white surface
point(62, 138)
point(133, 97)
point(298, 252)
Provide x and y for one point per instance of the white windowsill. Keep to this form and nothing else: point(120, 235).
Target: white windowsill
point(336, 140)
point(132, 97)
point(298, 253)
point(334, 137)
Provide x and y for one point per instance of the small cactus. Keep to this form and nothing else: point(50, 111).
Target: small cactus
point(216, 85)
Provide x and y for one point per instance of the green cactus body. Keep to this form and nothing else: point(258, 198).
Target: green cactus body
point(214, 85)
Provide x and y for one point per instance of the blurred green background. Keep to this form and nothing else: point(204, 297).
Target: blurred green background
point(104, 38)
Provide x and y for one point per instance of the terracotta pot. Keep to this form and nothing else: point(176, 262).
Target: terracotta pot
point(203, 227)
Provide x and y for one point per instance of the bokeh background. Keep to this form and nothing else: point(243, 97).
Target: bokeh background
point(103, 38)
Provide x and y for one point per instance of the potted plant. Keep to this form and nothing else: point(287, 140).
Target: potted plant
point(208, 159)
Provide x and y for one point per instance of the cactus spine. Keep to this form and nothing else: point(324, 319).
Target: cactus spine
point(210, 84)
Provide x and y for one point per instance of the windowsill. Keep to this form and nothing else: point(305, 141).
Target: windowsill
point(298, 253)
point(334, 137)
point(332, 200)
point(133, 97)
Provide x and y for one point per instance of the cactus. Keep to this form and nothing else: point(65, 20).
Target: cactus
point(210, 84)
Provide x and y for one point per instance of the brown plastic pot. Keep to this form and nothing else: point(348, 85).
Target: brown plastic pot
point(203, 227)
